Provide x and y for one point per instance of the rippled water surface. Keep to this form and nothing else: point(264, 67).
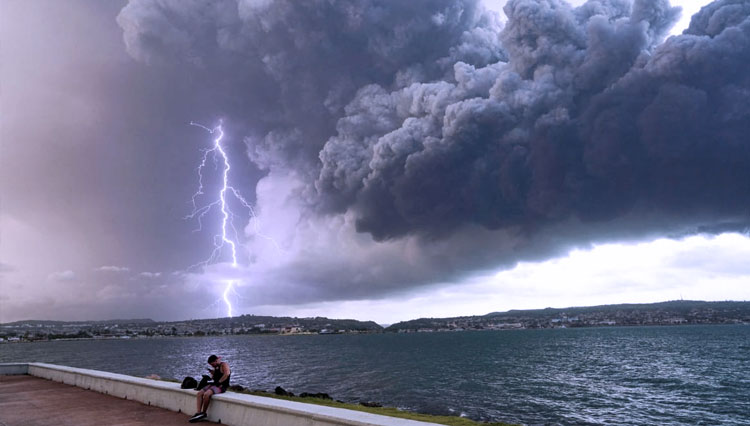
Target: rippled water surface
point(645, 375)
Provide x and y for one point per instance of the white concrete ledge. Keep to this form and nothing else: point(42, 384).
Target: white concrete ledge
point(14, 369)
point(230, 408)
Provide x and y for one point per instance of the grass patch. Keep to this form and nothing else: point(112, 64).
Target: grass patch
point(383, 411)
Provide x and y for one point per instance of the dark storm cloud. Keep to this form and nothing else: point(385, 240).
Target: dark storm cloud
point(287, 69)
point(426, 120)
point(503, 145)
point(591, 117)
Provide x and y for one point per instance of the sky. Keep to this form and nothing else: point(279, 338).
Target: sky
point(394, 160)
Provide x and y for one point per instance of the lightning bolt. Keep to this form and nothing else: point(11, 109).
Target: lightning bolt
point(229, 236)
point(223, 240)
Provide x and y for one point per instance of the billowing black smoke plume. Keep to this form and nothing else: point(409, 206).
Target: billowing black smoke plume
point(427, 118)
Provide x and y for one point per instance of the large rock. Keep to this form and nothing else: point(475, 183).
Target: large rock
point(280, 391)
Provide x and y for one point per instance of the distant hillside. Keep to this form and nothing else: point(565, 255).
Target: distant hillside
point(676, 305)
point(314, 324)
point(664, 313)
point(46, 323)
point(242, 321)
point(33, 330)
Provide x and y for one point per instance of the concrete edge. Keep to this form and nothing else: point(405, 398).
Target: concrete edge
point(14, 368)
point(230, 408)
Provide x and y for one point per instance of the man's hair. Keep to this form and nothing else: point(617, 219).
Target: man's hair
point(212, 358)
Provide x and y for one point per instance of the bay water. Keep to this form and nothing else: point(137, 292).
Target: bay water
point(681, 375)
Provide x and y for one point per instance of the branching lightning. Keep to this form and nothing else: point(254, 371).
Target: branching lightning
point(229, 237)
point(223, 240)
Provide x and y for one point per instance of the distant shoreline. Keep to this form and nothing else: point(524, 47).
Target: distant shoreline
point(677, 312)
point(671, 313)
point(6, 342)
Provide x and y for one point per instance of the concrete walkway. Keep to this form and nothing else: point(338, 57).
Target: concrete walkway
point(31, 401)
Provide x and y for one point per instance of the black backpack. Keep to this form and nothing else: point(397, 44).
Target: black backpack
point(189, 383)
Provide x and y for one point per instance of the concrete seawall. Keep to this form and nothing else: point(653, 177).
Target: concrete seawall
point(230, 408)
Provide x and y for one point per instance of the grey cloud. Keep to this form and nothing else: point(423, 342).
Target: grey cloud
point(111, 268)
point(718, 262)
point(62, 276)
point(6, 268)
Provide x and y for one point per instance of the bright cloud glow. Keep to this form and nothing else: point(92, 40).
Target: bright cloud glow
point(150, 274)
point(695, 268)
point(689, 8)
point(62, 276)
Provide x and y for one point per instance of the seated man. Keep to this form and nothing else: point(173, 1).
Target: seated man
point(220, 373)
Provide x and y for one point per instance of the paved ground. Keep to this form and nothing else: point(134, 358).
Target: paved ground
point(31, 401)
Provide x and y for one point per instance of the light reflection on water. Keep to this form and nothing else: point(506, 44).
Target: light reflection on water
point(643, 375)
